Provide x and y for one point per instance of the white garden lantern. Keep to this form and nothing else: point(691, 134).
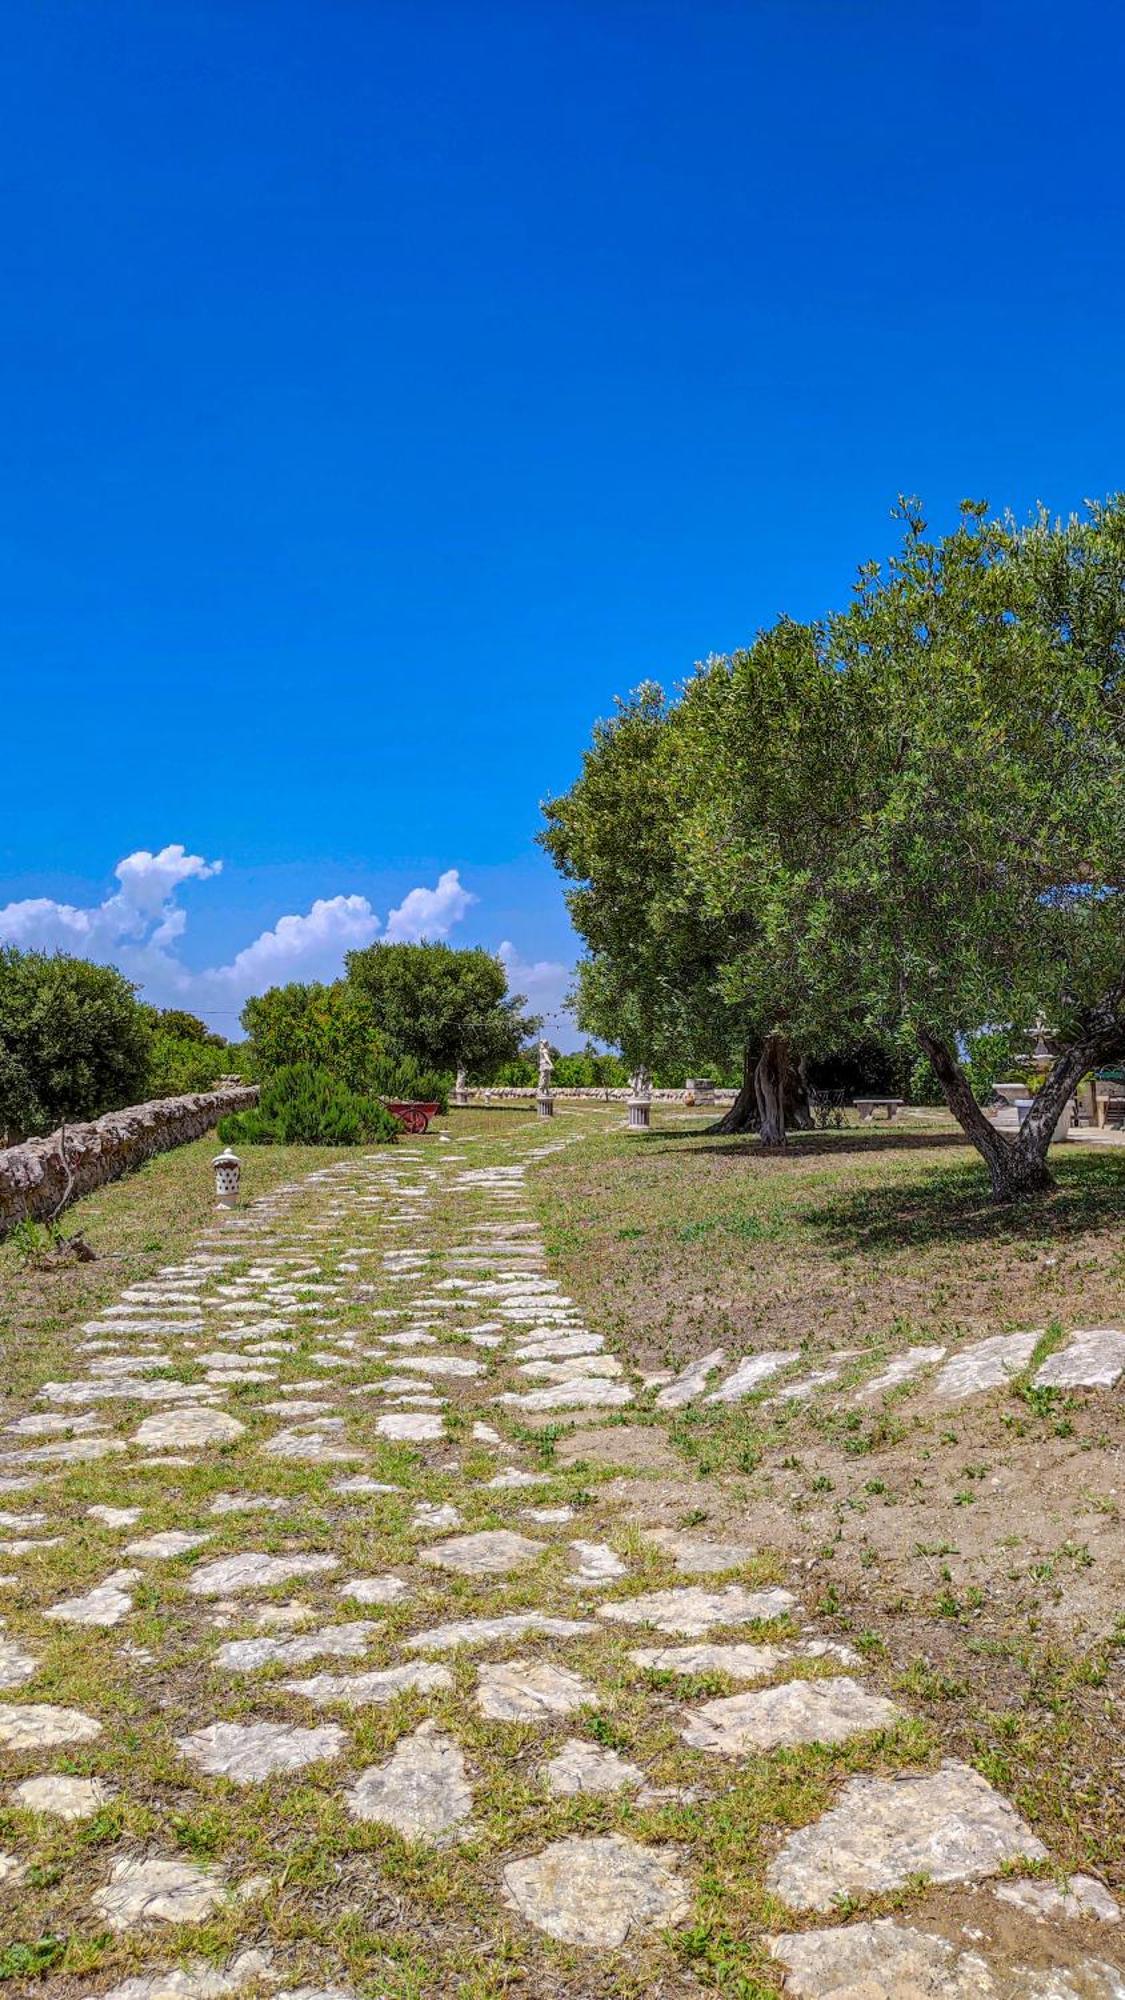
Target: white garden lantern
point(228, 1170)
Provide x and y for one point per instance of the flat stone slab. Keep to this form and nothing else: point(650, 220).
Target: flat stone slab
point(743, 1662)
point(314, 1446)
point(62, 1797)
point(454, 1366)
point(691, 1381)
point(371, 1689)
point(691, 1611)
point(596, 1562)
point(1084, 1896)
point(1093, 1358)
point(232, 1574)
point(828, 1711)
point(249, 1752)
point(191, 1426)
point(586, 1767)
point(698, 1558)
point(337, 1642)
point(901, 1368)
point(751, 1372)
point(170, 1542)
point(492, 1552)
point(199, 1981)
point(529, 1690)
point(422, 1792)
point(487, 1631)
point(560, 1347)
point(148, 1889)
point(374, 1589)
point(16, 1666)
point(107, 1604)
point(115, 1517)
point(989, 1365)
point(40, 1726)
point(948, 1825)
point(435, 1518)
point(585, 1392)
point(410, 1426)
point(885, 1958)
point(596, 1892)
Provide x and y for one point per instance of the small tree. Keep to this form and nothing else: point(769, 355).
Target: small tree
point(441, 1006)
point(73, 1040)
point(330, 1027)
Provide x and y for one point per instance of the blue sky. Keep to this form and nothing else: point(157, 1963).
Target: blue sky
point(385, 387)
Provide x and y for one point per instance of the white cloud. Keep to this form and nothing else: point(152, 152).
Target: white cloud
point(430, 913)
point(137, 927)
point(544, 980)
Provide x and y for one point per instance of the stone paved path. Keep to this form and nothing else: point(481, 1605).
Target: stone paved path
point(319, 1678)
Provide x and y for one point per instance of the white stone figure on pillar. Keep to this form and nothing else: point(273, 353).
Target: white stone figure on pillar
point(461, 1086)
point(640, 1083)
point(546, 1066)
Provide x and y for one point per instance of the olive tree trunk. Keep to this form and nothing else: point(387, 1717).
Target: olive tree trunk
point(1017, 1162)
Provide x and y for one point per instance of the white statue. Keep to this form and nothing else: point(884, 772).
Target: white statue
point(545, 1066)
point(640, 1083)
point(461, 1086)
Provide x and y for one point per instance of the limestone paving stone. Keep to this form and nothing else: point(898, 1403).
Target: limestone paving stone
point(64, 1797)
point(115, 1517)
point(596, 1892)
point(1093, 1358)
point(528, 1690)
point(145, 1889)
point(42, 1726)
point(249, 1752)
point(410, 1426)
point(884, 1958)
point(107, 1604)
point(582, 1392)
point(170, 1542)
point(422, 1792)
point(824, 1711)
point(948, 1825)
point(698, 1558)
point(691, 1381)
point(690, 1611)
point(587, 1767)
point(190, 1426)
point(742, 1661)
point(1083, 1896)
point(340, 1642)
point(382, 1685)
point(492, 1552)
point(488, 1631)
point(989, 1364)
point(596, 1562)
point(255, 1572)
point(374, 1589)
point(751, 1372)
point(16, 1666)
point(195, 1981)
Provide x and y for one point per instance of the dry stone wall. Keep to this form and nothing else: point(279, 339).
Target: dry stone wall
point(526, 1093)
point(33, 1176)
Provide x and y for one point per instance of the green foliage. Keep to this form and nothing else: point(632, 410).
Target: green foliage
point(399, 1077)
point(588, 1070)
point(439, 1006)
point(330, 1027)
point(908, 818)
point(302, 1105)
point(182, 1026)
point(176, 1065)
point(73, 1041)
point(989, 1055)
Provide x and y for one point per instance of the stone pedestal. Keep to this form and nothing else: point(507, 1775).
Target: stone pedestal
point(640, 1114)
point(545, 1104)
point(460, 1098)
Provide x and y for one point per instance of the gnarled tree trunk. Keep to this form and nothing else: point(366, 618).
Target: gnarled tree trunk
point(1017, 1165)
point(769, 1088)
point(742, 1115)
point(745, 1114)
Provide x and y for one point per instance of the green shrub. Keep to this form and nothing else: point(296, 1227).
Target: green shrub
point(177, 1064)
point(305, 1106)
point(398, 1076)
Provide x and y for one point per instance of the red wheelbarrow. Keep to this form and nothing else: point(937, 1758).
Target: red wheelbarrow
point(412, 1116)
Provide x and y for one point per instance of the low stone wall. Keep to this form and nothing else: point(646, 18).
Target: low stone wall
point(33, 1177)
point(526, 1093)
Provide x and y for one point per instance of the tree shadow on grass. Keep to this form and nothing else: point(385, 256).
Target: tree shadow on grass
point(805, 1145)
point(953, 1204)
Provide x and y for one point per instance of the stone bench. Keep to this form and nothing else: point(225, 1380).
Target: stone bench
point(867, 1106)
